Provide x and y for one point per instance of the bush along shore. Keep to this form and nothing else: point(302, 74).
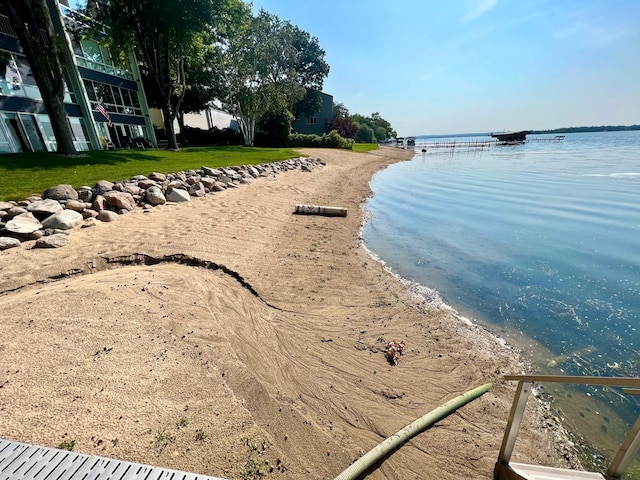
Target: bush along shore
point(48, 219)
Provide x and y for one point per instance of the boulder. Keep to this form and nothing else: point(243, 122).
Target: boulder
point(61, 192)
point(99, 204)
point(85, 194)
point(160, 177)
point(15, 211)
point(6, 205)
point(77, 205)
point(104, 185)
point(177, 195)
point(120, 200)
point(107, 216)
point(52, 241)
point(8, 242)
point(25, 223)
point(45, 208)
point(155, 196)
point(65, 220)
point(197, 190)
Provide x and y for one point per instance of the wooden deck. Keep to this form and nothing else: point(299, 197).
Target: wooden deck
point(29, 462)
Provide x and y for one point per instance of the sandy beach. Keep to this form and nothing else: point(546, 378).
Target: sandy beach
point(229, 337)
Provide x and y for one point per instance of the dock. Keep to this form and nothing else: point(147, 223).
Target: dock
point(479, 144)
point(30, 462)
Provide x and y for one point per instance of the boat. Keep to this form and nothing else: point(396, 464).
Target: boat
point(511, 138)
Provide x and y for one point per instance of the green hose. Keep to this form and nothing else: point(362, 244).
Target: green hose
point(395, 441)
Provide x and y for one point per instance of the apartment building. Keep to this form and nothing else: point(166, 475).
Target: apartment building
point(105, 103)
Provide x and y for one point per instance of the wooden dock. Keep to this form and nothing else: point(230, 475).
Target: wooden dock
point(478, 144)
point(20, 461)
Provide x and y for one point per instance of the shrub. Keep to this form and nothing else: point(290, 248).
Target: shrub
point(328, 140)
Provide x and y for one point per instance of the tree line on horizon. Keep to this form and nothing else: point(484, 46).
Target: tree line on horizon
point(193, 55)
point(602, 128)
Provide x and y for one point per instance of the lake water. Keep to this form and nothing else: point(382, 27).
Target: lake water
point(540, 239)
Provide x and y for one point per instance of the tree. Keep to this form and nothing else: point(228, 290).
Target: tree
point(344, 126)
point(32, 23)
point(365, 134)
point(164, 34)
point(266, 65)
point(340, 111)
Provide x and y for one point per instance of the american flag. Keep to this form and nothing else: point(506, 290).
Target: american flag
point(100, 108)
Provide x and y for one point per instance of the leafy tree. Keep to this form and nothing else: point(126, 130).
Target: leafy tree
point(165, 34)
point(380, 127)
point(33, 25)
point(365, 134)
point(340, 111)
point(344, 126)
point(266, 65)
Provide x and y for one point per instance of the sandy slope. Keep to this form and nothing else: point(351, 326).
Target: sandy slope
point(256, 344)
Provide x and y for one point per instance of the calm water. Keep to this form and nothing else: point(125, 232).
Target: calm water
point(541, 238)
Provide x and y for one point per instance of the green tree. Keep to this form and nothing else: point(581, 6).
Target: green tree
point(33, 25)
point(340, 111)
point(266, 65)
point(365, 134)
point(164, 34)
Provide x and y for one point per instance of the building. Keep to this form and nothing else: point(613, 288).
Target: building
point(317, 123)
point(94, 82)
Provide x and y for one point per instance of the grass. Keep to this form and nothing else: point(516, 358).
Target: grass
point(25, 174)
point(364, 147)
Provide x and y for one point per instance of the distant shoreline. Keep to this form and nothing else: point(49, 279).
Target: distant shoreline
point(602, 128)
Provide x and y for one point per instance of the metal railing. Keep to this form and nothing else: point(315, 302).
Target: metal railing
point(622, 459)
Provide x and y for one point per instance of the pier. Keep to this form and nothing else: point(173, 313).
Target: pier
point(478, 144)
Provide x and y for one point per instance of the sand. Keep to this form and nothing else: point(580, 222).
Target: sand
point(227, 336)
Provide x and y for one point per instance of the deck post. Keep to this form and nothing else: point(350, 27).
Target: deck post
point(628, 448)
point(513, 424)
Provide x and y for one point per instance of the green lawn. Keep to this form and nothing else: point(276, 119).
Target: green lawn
point(24, 174)
point(364, 147)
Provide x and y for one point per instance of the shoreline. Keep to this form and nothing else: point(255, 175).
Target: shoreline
point(118, 358)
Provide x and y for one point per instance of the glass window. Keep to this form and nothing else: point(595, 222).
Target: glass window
point(47, 132)
point(103, 91)
point(25, 71)
point(126, 97)
point(134, 98)
point(91, 93)
point(91, 50)
point(117, 99)
point(9, 76)
point(79, 133)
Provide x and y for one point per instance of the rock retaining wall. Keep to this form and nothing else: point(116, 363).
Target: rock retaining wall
point(48, 219)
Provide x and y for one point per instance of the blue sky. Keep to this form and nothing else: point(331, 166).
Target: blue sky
point(463, 66)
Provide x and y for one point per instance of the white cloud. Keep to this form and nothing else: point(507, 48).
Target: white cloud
point(483, 7)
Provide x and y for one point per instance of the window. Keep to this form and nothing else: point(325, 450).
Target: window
point(312, 120)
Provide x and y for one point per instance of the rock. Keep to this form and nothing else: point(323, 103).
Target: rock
point(120, 200)
point(160, 177)
point(244, 180)
point(65, 220)
point(107, 216)
point(104, 185)
point(6, 205)
point(146, 183)
point(61, 192)
point(99, 204)
point(85, 194)
point(45, 208)
point(211, 172)
point(253, 172)
point(132, 189)
point(197, 190)
point(224, 179)
point(77, 205)
point(8, 242)
point(219, 187)
point(177, 195)
point(15, 211)
point(89, 213)
point(52, 241)
point(208, 182)
point(36, 235)
point(24, 223)
point(155, 196)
